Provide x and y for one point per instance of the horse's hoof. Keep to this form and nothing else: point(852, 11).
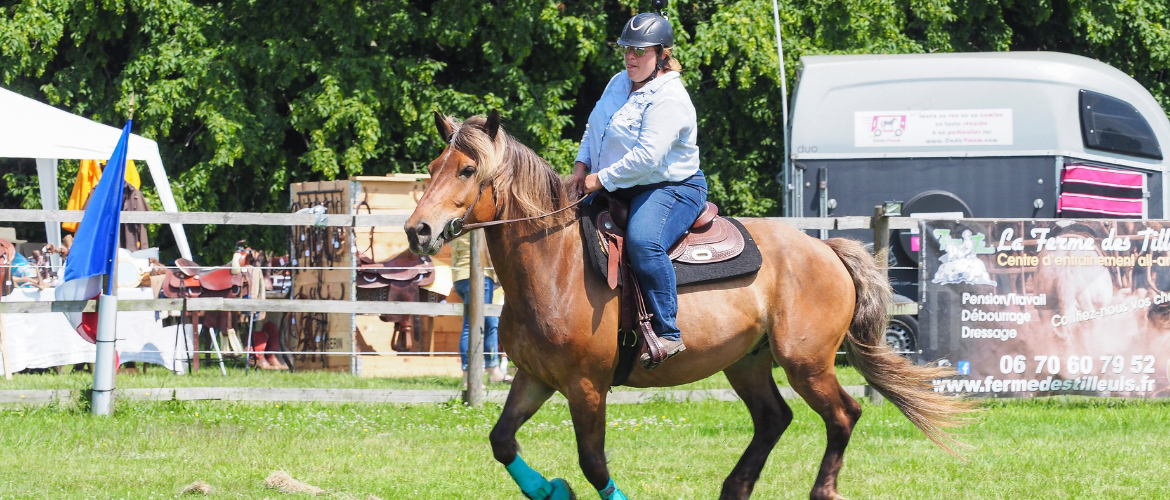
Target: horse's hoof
point(561, 490)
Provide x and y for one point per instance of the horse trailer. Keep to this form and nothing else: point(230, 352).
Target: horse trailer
point(971, 135)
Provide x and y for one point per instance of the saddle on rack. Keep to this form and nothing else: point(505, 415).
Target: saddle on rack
point(190, 280)
point(399, 279)
point(714, 248)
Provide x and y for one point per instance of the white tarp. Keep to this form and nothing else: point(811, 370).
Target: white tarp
point(32, 129)
point(44, 340)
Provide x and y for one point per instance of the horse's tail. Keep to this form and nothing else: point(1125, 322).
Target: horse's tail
point(906, 385)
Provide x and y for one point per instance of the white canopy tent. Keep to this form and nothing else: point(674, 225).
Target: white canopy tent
point(32, 129)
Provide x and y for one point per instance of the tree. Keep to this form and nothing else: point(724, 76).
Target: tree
point(247, 97)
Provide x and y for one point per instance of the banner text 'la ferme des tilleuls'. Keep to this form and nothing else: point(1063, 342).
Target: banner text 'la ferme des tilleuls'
point(1047, 307)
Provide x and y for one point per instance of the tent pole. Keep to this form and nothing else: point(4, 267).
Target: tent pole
point(47, 175)
point(167, 197)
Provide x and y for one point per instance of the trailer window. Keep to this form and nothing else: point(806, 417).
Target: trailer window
point(1110, 124)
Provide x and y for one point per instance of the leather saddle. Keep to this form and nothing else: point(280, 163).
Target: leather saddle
point(192, 280)
point(711, 239)
point(7, 256)
point(399, 279)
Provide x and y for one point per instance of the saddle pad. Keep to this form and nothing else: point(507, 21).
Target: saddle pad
point(747, 262)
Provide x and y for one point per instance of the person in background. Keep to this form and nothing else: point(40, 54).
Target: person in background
point(461, 274)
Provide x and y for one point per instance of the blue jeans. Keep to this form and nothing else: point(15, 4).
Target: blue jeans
point(659, 215)
point(491, 324)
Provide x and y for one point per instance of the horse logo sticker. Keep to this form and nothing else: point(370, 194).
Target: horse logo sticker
point(888, 125)
point(960, 262)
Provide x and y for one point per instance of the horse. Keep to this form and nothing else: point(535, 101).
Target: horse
point(559, 324)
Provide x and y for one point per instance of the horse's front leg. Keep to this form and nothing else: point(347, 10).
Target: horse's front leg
point(587, 406)
point(524, 399)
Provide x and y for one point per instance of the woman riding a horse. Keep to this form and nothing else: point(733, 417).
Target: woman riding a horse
point(560, 322)
point(640, 145)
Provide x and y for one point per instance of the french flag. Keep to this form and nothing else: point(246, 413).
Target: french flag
point(95, 245)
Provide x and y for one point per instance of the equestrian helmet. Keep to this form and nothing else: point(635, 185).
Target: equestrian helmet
point(646, 30)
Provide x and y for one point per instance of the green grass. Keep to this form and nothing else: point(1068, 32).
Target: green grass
point(211, 377)
point(1022, 449)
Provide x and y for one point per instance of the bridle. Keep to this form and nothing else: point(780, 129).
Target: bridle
point(456, 227)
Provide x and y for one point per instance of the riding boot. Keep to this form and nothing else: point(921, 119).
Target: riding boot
point(672, 348)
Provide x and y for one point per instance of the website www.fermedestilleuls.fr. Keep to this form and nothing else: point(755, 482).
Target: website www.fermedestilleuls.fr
point(1091, 383)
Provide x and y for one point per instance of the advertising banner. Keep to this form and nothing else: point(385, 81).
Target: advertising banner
point(942, 127)
point(1047, 307)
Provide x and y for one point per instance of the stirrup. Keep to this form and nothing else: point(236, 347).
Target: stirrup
point(646, 359)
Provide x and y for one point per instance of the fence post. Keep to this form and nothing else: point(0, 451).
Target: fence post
point(4, 350)
point(475, 295)
point(881, 237)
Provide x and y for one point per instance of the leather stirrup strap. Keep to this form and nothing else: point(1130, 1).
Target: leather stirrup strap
point(653, 343)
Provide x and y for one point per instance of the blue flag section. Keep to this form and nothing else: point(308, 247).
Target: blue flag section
point(96, 244)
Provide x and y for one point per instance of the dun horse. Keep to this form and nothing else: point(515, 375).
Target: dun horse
point(560, 321)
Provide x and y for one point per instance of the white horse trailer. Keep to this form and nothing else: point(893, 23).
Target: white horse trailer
point(989, 135)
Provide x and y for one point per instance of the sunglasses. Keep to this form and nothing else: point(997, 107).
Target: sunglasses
point(638, 51)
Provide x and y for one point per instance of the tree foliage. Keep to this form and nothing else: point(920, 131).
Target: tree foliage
point(247, 97)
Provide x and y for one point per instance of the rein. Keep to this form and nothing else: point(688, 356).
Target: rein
point(456, 227)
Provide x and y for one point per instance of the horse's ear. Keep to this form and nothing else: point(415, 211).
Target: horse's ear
point(492, 126)
point(444, 126)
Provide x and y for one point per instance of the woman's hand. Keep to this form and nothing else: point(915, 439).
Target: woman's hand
point(576, 182)
point(592, 183)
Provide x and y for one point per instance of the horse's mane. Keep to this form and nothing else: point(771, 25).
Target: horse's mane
point(524, 184)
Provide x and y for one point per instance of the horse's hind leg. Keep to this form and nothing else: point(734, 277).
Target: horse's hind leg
point(816, 382)
point(751, 377)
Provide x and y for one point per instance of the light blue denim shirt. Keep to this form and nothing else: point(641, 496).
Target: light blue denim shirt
point(644, 137)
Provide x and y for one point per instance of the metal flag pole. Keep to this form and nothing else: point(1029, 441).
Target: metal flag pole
point(105, 363)
point(786, 165)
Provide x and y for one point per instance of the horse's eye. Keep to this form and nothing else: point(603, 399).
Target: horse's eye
point(467, 171)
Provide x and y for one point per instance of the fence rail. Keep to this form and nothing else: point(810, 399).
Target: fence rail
point(251, 305)
point(365, 220)
point(216, 218)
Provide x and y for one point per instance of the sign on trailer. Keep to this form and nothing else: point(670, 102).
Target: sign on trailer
point(954, 127)
point(1045, 307)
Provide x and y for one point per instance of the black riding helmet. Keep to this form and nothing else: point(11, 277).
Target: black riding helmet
point(648, 30)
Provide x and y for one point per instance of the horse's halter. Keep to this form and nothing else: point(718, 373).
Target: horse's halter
point(456, 227)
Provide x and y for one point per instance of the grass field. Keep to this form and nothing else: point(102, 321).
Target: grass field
point(1049, 448)
point(79, 380)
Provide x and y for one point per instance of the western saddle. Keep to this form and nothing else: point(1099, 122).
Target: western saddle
point(190, 280)
point(709, 240)
point(398, 279)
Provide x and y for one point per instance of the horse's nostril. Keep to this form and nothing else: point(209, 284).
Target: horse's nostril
point(424, 230)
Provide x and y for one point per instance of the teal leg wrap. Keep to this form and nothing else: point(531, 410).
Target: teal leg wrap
point(611, 492)
point(531, 483)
